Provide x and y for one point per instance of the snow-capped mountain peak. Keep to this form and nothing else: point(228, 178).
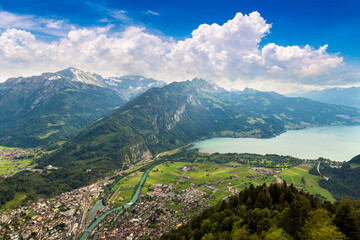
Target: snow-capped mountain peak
point(78, 75)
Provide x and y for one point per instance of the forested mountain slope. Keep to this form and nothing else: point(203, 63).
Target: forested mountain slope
point(179, 113)
point(274, 212)
point(341, 182)
point(52, 107)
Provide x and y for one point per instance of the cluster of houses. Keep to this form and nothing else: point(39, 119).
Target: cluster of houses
point(155, 213)
point(12, 154)
point(56, 218)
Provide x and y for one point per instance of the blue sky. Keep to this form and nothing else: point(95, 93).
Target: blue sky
point(315, 23)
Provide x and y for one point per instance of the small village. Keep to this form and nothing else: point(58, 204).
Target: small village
point(66, 216)
point(11, 154)
point(162, 208)
point(155, 213)
point(61, 217)
point(11, 160)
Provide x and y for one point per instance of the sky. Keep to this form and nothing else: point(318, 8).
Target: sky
point(282, 46)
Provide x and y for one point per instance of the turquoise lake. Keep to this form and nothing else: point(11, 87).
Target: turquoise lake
point(338, 143)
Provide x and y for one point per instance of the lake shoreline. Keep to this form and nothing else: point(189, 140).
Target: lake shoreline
point(306, 143)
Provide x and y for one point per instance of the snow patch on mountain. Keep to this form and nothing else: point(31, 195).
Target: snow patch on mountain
point(78, 75)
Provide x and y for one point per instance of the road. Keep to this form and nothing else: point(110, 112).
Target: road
point(318, 169)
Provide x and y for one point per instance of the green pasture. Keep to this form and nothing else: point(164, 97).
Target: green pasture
point(294, 175)
point(9, 167)
point(130, 180)
point(203, 173)
point(165, 173)
point(173, 207)
point(47, 134)
point(125, 188)
point(125, 193)
point(354, 165)
point(15, 202)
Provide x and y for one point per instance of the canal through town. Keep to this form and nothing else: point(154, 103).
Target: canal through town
point(122, 208)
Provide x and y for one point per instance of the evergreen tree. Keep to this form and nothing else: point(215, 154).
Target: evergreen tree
point(347, 220)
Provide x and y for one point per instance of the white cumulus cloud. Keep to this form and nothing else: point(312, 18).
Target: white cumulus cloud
point(228, 54)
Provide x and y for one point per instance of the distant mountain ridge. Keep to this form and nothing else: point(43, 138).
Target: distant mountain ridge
point(72, 74)
point(341, 96)
point(130, 86)
point(53, 107)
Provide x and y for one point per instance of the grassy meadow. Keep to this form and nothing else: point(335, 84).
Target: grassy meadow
point(310, 184)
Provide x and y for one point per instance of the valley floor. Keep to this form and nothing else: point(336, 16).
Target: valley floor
point(13, 160)
point(174, 191)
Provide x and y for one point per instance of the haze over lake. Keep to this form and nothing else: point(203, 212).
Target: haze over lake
point(338, 143)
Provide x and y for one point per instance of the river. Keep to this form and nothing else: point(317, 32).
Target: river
point(120, 209)
point(338, 143)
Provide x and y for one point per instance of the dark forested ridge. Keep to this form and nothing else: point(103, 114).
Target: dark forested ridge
point(344, 181)
point(355, 160)
point(274, 212)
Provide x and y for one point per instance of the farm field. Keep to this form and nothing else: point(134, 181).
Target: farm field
point(14, 159)
point(213, 180)
point(19, 197)
point(123, 190)
point(9, 167)
point(198, 173)
point(296, 174)
point(210, 178)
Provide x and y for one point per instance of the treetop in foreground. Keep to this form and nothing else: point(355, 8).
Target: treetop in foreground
point(277, 211)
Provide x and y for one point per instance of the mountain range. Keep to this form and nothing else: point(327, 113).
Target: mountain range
point(341, 96)
point(166, 118)
point(53, 107)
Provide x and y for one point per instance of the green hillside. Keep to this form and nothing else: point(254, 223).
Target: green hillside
point(177, 114)
point(342, 181)
point(300, 177)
